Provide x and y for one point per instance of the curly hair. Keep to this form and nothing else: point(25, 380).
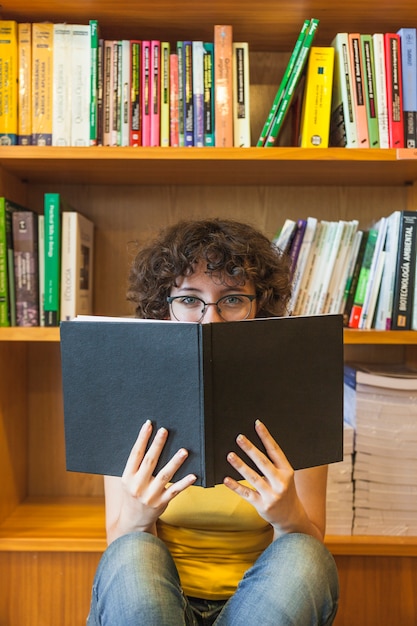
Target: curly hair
point(234, 253)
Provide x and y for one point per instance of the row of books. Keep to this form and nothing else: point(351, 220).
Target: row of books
point(69, 87)
point(369, 275)
point(46, 263)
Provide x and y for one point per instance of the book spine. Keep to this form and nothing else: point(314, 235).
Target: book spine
point(117, 94)
point(301, 303)
point(383, 315)
point(343, 121)
point(367, 48)
point(198, 92)
point(315, 120)
point(108, 93)
point(155, 96)
point(24, 100)
point(135, 93)
point(25, 250)
point(337, 288)
point(353, 274)
point(146, 93)
point(292, 84)
point(42, 77)
point(61, 86)
point(363, 278)
point(4, 281)
point(283, 84)
point(41, 268)
point(100, 91)
point(223, 85)
point(394, 90)
point(358, 89)
point(405, 272)
point(379, 248)
point(209, 124)
point(188, 102)
point(180, 52)
point(8, 82)
point(93, 81)
point(52, 212)
point(296, 243)
point(174, 137)
point(241, 96)
point(408, 45)
point(165, 93)
point(302, 258)
point(381, 89)
point(125, 91)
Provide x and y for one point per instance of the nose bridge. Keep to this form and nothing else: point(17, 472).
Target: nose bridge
point(211, 314)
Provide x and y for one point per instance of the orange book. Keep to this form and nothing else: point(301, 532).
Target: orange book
point(223, 86)
point(358, 90)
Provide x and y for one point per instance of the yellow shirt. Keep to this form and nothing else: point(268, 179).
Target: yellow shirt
point(214, 536)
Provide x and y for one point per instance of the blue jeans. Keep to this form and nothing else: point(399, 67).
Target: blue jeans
point(293, 583)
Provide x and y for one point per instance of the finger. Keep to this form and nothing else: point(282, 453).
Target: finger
point(242, 490)
point(273, 450)
point(245, 471)
point(151, 457)
point(139, 448)
point(166, 474)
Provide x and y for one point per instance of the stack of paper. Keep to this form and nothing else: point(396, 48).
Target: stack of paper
point(339, 505)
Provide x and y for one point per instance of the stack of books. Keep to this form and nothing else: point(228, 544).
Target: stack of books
point(339, 502)
point(382, 404)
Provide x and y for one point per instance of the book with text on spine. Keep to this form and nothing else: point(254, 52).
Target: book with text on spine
point(42, 82)
point(358, 84)
point(241, 95)
point(52, 257)
point(367, 48)
point(24, 98)
point(223, 85)
point(316, 112)
point(343, 131)
point(393, 68)
point(8, 82)
point(26, 270)
point(205, 383)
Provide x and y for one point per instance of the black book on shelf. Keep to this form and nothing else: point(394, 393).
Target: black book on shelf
point(205, 383)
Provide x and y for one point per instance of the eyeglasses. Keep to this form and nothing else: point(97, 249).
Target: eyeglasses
point(231, 308)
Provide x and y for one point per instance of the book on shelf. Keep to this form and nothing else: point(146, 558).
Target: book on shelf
point(8, 82)
point(387, 375)
point(223, 85)
point(180, 52)
point(174, 138)
point(405, 269)
point(52, 254)
point(41, 268)
point(381, 88)
point(408, 45)
point(355, 264)
point(285, 235)
point(7, 282)
point(42, 80)
point(188, 101)
point(80, 84)
point(363, 278)
point(296, 243)
point(302, 259)
point(316, 110)
point(24, 97)
point(301, 302)
point(383, 316)
point(76, 265)
point(108, 89)
point(164, 97)
point(375, 273)
point(124, 87)
point(61, 85)
point(241, 95)
point(295, 77)
point(325, 269)
point(367, 49)
point(367, 321)
point(135, 93)
point(146, 92)
point(358, 84)
point(198, 92)
point(155, 95)
point(283, 84)
point(108, 395)
point(393, 69)
point(335, 291)
point(100, 91)
point(209, 138)
point(26, 269)
point(343, 131)
point(94, 44)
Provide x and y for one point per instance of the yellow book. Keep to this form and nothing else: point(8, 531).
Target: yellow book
point(42, 79)
point(241, 102)
point(165, 52)
point(24, 101)
point(315, 117)
point(8, 82)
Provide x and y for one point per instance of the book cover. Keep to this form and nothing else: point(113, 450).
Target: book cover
point(7, 282)
point(394, 90)
point(108, 89)
point(135, 93)
point(8, 82)
point(24, 96)
point(343, 131)
point(374, 269)
point(174, 137)
point(180, 52)
point(42, 79)
point(76, 265)
point(292, 84)
point(283, 84)
point(165, 92)
point(94, 45)
point(317, 101)
point(125, 91)
point(198, 92)
point(223, 85)
point(367, 49)
point(241, 95)
point(41, 267)
point(384, 308)
point(408, 46)
point(194, 394)
point(363, 278)
point(381, 89)
point(146, 93)
point(405, 269)
point(100, 91)
point(155, 95)
point(52, 254)
point(26, 270)
point(188, 102)
point(358, 83)
point(116, 94)
point(285, 235)
point(209, 124)
point(61, 85)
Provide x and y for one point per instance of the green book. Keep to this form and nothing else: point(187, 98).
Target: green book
point(360, 292)
point(370, 90)
point(294, 79)
point(209, 138)
point(52, 267)
point(283, 84)
point(7, 280)
point(93, 81)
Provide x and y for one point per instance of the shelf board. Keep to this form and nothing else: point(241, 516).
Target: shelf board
point(209, 166)
point(78, 525)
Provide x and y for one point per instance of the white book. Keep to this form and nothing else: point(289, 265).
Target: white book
point(284, 237)
point(300, 305)
point(41, 268)
point(76, 265)
point(328, 266)
point(375, 289)
point(384, 309)
point(340, 274)
point(81, 88)
point(241, 96)
point(380, 89)
point(343, 121)
point(61, 85)
point(321, 269)
point(381, 226)
point(198, 92)
point(124, 87)
point(302, 259)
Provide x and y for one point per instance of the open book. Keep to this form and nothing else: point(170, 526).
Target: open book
point(205, 383)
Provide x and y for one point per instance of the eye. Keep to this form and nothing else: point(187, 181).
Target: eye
point(232, 301)
point(189, 301)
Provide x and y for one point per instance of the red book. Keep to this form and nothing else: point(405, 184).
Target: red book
point(394, 90)
point(135, 93)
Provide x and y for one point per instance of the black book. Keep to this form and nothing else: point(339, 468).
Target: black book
point(205, 383)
